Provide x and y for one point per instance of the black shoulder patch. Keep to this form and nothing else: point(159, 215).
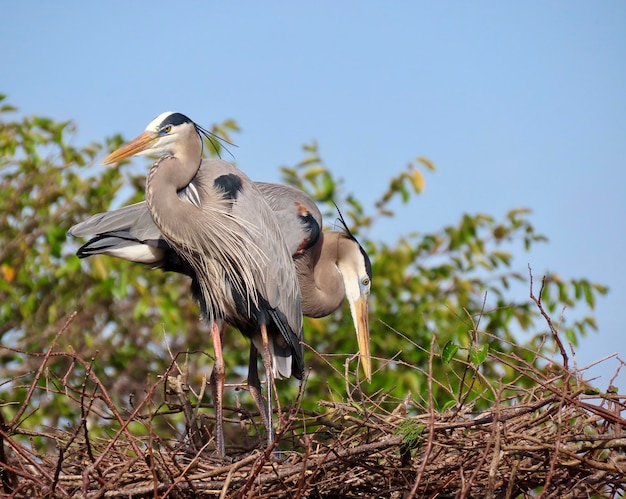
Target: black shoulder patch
point(175, 119)
point(311, 228)
point(231, 184)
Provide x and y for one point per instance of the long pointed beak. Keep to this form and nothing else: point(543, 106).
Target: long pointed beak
point(361, 324)
point(135, 146)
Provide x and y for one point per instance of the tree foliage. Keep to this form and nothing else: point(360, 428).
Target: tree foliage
point(452, 284)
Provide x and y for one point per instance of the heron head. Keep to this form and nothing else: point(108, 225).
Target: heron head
point(356, 271)
point(165, 134)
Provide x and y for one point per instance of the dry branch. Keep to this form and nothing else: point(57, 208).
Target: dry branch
point(553, 439)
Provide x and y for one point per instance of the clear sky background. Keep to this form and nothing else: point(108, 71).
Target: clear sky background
point(517, 104)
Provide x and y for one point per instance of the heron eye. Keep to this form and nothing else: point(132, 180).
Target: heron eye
point(166, 129)
point(365, 281)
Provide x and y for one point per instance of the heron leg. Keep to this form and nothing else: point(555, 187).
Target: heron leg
point(269, 377)
point(217, 388)
point(254, 386)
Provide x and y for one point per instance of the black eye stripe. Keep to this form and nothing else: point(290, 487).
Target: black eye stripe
point(368, 263)
point(366, 258)
point(174, 119)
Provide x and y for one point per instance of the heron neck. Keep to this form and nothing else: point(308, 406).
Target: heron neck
point(167, 176)
point(321, 283)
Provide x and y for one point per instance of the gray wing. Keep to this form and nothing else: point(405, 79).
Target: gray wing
point(298, 216)
point(131, 234)
point(128, 233)
point(135, 217)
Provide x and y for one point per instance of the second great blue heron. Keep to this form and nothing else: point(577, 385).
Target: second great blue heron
point(331, 265)
point(217, 222)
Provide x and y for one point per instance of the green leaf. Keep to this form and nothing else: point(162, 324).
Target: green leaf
point(448, 404)
point(478, 355)
point(449, 351)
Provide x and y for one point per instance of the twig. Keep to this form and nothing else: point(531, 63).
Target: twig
point(33, 386)
point(431, 422)
point(545, 315)
point(7, 475)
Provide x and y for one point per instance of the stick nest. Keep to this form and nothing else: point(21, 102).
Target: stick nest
point(551, 436)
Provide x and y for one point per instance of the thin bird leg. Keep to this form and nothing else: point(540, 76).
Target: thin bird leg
point(254, 386)
point(269, 377)
point(217, 388)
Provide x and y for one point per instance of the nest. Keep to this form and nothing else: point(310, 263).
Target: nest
point(557, 438)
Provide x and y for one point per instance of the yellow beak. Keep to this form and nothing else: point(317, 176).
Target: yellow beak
point(135, 146)
point(361, 323)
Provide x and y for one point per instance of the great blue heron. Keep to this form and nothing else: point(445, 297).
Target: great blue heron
point(331, 265)
point(217, 222)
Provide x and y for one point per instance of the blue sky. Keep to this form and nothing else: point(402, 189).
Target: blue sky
point(517, 104)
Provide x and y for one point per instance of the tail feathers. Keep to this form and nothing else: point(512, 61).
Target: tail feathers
point(290, 345)
point(281, 361)
point(285, 362)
